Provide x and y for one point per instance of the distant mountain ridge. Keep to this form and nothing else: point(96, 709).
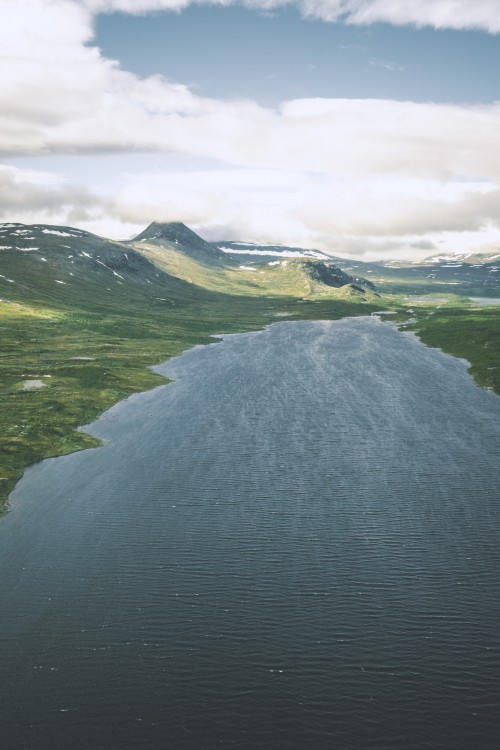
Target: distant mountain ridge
point(166, 261)
point(238, 267)
point(463, 273)
point(172, 255)
point(469, 258)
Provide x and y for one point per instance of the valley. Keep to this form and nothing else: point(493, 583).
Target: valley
point(82, 317)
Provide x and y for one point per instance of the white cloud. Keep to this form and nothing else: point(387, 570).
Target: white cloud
point(304, 203)
point(441, 14)
point(370, 218)
point(330, 173)
point(31, 196)
point(59, 95)
point(394, 207)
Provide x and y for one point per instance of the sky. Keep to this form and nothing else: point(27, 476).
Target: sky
point(363, 128)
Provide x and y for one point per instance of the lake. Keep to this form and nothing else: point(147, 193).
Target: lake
point(485, 301)
point(295, 544)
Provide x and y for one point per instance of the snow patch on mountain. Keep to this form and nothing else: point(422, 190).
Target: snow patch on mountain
point(55, 231)
point(273, 252)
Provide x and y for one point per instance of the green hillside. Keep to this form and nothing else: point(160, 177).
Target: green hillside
point(177, 250)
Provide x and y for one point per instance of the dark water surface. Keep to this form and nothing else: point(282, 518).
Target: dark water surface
point(294, 545)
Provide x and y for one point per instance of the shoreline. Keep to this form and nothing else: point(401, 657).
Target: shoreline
point(93, 442)
point(73, 438)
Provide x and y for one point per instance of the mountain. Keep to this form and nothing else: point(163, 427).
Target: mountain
point(464, 274)
point(169, 258)
point(217, 266)
point(47, 264)
point(469, 258)
point(179, 238)
point(331, 275)
point(165, 262)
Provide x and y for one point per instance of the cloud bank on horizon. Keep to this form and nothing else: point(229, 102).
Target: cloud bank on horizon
point(368, 177)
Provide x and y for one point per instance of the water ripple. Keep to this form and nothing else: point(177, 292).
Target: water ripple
point(294, 545)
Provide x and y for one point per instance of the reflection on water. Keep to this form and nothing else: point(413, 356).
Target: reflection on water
point(294, 545)
point(485, 301)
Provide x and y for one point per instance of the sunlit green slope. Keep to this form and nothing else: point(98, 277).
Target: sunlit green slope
point(180, 252)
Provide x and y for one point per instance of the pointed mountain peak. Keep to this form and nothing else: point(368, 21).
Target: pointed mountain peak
point(178, 235)
point(170, 231)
